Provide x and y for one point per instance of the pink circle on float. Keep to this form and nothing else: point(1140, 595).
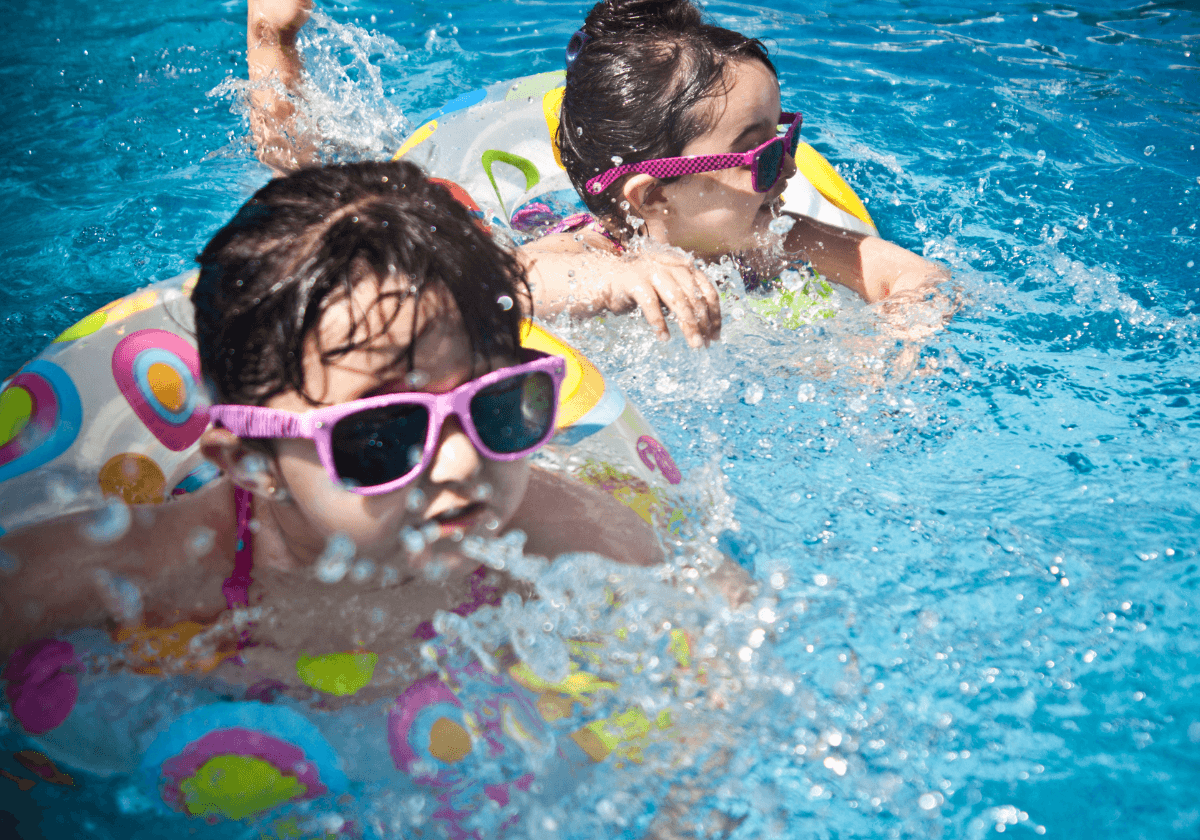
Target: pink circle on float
point(176, 427)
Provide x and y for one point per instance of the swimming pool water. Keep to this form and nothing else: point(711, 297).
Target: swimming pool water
point(979, 537)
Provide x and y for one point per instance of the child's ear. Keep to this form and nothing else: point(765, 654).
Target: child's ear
point(644, 193)
point(246, 467)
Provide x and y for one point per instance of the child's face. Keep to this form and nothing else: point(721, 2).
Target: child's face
point(460, 494)
point(717, 213)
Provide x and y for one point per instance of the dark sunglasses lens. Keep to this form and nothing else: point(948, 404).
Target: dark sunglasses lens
point(767, 171)
point(793, 137)
point(379, 445)
point(513, 415)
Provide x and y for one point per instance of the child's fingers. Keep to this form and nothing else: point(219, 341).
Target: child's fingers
point(671, 288)
point(705, 302)
point(712, 303)
point(651, 307)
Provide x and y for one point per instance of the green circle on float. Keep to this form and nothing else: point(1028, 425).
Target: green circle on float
point(16, 407)
point(339, 674)
point(238, 786)
point(87, 326)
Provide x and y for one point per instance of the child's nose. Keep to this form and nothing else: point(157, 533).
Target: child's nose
point(456, 458)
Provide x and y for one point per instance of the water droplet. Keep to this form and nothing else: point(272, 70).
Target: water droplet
point(416, 379)
point(200, 542)
point(1149, 150)
point(806, 392)
point(927, 801)
point(110, 523)
point(362, 571)
point(506, 303)
point(334, 562)
point(120, 596)
point(754, 393)
point(412, 540)
point(415, 500)
point(780, 225)
point(617, 160)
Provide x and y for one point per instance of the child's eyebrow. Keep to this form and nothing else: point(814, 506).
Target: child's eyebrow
point(763, 125)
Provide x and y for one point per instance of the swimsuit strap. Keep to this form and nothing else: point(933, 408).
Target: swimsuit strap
point(237, 585)
point(580, 220)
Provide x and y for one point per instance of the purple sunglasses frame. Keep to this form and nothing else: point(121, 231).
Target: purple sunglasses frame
point(256, 421)
point(674, 166)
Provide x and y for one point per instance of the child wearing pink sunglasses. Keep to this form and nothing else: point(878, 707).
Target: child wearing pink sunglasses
point(673, 129)
point(360, 336)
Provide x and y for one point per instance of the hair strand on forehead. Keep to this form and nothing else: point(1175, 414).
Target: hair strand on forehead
point(307, 241)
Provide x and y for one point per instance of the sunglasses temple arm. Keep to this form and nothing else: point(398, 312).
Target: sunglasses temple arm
point(255, 421)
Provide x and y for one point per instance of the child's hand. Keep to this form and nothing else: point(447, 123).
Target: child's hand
point(670, 281)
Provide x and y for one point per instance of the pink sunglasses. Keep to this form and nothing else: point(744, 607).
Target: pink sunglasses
point(765, 161)
point(379, 444)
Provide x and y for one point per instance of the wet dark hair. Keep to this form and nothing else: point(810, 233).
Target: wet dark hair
point(304, 242)
point(634, 85)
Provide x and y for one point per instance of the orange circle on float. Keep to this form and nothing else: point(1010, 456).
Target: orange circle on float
point(448, 741)
point(167, 386)
point(135, 479)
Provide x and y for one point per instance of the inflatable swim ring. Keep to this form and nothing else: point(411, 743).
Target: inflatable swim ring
point(113, 409)
point(496, 145)
point(495, 149)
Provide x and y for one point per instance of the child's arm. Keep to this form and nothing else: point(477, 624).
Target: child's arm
point(583, 278)
point(271, 29)
point(873, 267)
point(560, 515)
point(168, 564)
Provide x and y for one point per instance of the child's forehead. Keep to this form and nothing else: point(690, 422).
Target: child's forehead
point(751, 96)
point(386, 329)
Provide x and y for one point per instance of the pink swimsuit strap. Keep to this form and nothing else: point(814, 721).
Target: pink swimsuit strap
point(237, 585)
point(580, 220)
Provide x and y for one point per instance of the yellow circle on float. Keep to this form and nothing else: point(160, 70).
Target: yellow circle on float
point(133, 478)
point(16, 407)
point(167, 386)
point(87, 326)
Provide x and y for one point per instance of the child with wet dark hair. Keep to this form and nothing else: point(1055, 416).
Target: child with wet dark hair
point(360, 335)
point(670, 131)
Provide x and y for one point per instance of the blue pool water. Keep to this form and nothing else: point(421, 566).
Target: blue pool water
point(980, 537)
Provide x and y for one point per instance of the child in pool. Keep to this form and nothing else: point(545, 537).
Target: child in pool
point(359, 334)
point(647, 79)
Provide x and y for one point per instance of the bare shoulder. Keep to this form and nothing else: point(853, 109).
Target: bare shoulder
point(118, 564)
point(560, 514)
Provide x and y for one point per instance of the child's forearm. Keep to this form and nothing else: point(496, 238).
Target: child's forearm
point(872, 267)
point(566, 280)
point(271, 29)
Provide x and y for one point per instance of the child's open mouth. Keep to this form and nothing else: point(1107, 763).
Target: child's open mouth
point(458, 519)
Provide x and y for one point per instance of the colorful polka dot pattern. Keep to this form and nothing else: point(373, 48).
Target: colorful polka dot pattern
point(40, 417)
point(157, 372)
point(234, 760)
